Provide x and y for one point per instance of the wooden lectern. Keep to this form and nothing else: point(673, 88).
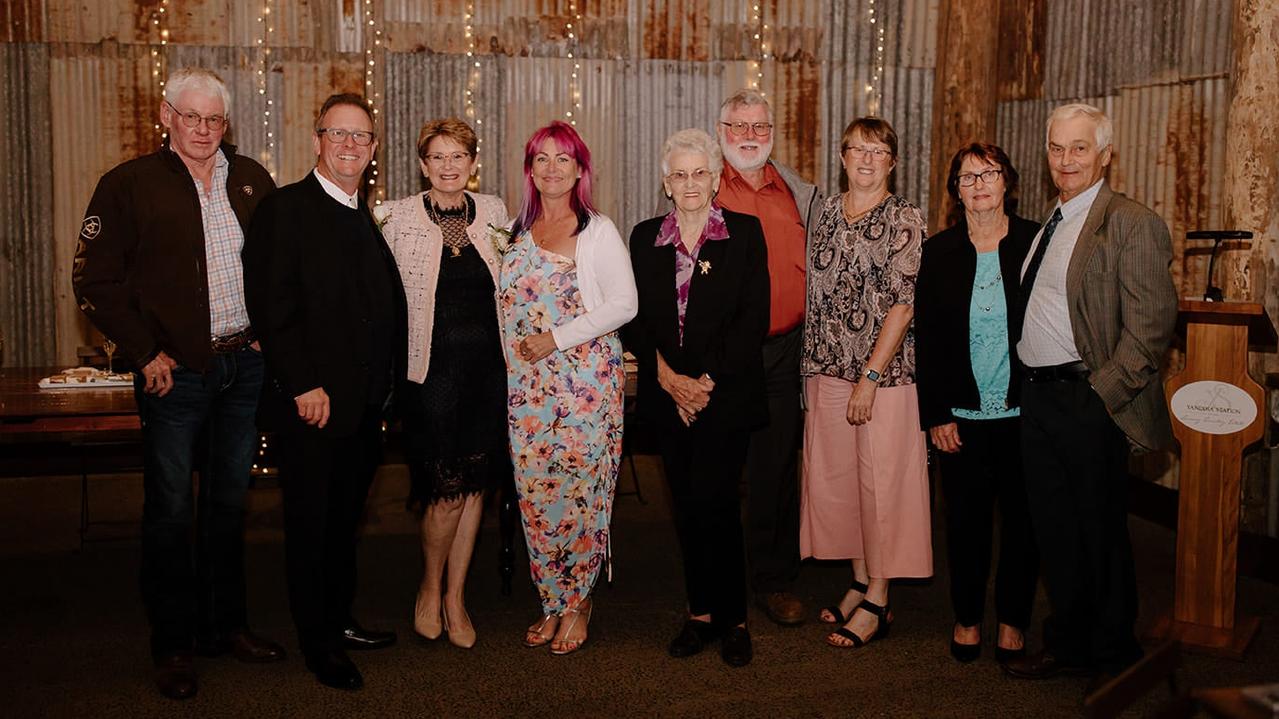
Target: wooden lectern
point(1217, 411)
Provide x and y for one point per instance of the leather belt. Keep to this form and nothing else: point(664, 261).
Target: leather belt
point(232, 342)
point(1069, 372)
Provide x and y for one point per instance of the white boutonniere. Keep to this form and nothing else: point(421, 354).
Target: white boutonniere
point(381, 216)
point(500, 237)
point(705, 266)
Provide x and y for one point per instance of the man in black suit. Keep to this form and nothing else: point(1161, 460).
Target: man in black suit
point(328, 306)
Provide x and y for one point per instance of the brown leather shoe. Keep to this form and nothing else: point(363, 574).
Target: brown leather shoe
point(1043, 666)
point(782, 607)
point(244, 646)
point(175, 675)
point(252, 649)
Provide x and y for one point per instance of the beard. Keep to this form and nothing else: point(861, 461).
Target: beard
point(740, 163)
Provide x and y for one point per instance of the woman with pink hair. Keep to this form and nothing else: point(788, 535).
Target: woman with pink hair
point(564, 290)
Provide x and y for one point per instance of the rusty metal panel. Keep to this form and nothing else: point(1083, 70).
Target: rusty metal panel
point(425, 87)
point(23, 21)
point(116, 82)
point(27, 310)
point(1094, 46)
point(903, 94)
point(658, 98)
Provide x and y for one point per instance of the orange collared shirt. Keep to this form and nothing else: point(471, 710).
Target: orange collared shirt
point(784, 235)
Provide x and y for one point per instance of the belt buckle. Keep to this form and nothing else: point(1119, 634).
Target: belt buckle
point(231, 342)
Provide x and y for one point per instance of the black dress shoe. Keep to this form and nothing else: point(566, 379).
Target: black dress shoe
point(692, 638)
point(335, 669)
point(735, 647)
point(244, 646)
point(175, 675)
point(1003, 656)
point(355, 636)
point(965, 652)
point(1043, 666)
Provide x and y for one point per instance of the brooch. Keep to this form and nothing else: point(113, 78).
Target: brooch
point(705, 266)
point(247, 190)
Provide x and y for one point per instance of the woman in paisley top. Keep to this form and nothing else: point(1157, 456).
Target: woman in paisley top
point(454, 402)
point(565, 289)
point(865, 480)
point(967, 371)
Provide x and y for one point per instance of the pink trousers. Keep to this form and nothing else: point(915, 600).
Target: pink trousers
point(865, 489)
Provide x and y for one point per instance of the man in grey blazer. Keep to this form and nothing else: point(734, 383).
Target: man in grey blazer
point(1098, 308)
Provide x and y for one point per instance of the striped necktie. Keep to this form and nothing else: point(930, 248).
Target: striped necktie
point(1037, 259)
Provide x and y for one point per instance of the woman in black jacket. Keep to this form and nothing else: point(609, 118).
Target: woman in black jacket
point(702, 276)
point(966, 311)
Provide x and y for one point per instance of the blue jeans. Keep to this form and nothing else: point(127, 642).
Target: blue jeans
point(193, 535)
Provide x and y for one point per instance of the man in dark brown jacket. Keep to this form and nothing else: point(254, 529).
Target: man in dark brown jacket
point(157, 270)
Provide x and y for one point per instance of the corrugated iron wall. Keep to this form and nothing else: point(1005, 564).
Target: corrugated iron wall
point(78, 78)
point(26, 214)
point(1160, 69)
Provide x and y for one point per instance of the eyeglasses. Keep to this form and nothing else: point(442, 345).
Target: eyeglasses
point(761, 129)
point(968, 179)
point(700, 175)
point(874, 153)
point(440, 158)
point(215, 123)
point(337, 135)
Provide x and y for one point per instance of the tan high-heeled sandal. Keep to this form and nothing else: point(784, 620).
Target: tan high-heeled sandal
point(568, 646)
point(536, 636)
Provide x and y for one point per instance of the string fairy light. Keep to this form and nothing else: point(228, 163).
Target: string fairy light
point(760, 36)
point(267, 155)
point(575, 83)
point(371, 93)
point(159, 55)
point(873, 98)
point(472, 83)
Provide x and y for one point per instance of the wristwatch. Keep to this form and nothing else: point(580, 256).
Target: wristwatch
point(872, 375)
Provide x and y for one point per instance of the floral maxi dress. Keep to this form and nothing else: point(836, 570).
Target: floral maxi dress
point(565, 417)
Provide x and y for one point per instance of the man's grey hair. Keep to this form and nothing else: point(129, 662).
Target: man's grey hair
point(197, 79)
point(745, 97)
point(692, 140)
point(1105, 128)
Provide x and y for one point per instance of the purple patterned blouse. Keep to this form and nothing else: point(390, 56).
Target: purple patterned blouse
point(685, 261)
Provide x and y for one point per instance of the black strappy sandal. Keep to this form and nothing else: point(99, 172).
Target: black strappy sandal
point(881, 629)
point(853, 586)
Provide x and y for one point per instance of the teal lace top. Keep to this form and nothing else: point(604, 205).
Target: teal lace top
point(988, 341)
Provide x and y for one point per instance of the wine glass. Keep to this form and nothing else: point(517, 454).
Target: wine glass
point(109, 348)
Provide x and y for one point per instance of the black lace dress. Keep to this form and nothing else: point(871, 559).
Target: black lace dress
point(455, 421)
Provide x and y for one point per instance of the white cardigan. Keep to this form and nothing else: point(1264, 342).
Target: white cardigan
point(418, 244)
point(606, 282)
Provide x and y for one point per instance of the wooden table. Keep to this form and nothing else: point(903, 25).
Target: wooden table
point(82, 419)
point(31, 414)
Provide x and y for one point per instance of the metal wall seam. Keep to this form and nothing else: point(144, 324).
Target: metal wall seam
point(27, 308)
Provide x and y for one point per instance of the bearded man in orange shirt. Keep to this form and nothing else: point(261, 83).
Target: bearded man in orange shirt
point(787, 207)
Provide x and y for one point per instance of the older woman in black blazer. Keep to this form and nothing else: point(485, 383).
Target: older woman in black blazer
point(967, 373)
point(702, 276)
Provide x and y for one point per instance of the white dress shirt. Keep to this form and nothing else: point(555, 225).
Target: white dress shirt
point(337, 193)
point(1046, 336)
